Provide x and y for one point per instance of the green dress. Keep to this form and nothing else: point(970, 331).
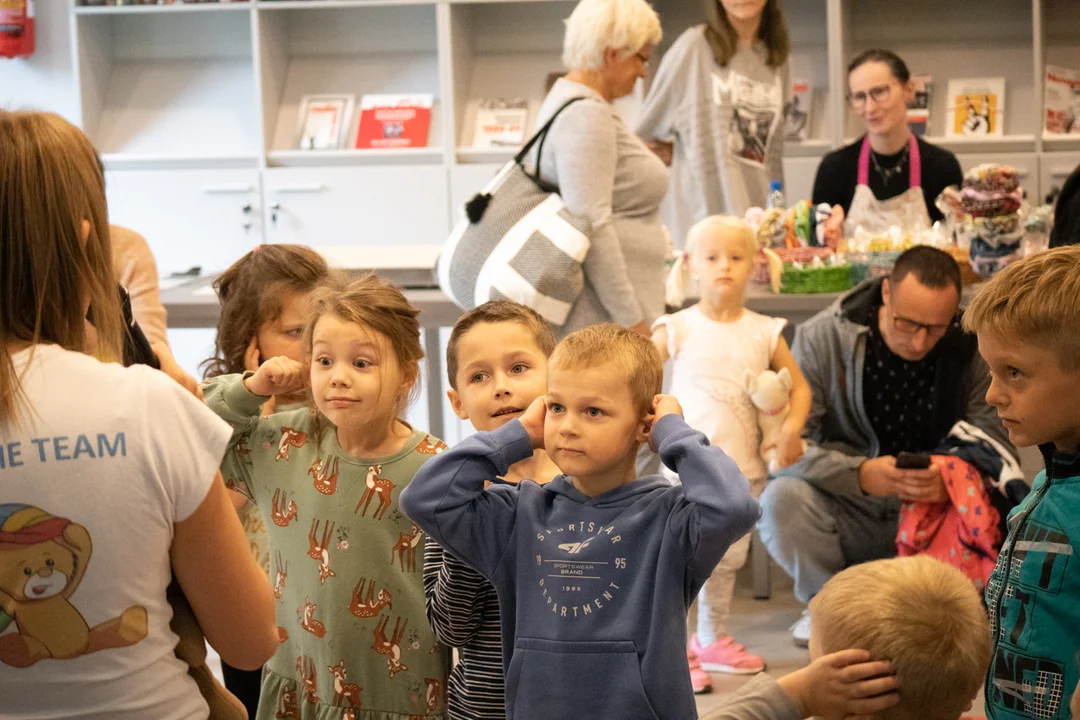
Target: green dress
point(345, 564)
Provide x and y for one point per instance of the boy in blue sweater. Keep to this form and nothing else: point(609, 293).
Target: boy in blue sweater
point(594, 571)
point(1028, 322)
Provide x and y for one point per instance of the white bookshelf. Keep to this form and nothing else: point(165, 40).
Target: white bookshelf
point(194, 107)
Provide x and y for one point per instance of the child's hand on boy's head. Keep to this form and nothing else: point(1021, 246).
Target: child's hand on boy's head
point(533, 421)
point(276, 376)
point(842, 685)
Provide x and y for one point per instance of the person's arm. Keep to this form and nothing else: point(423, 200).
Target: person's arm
point(663, 105)
point(719, 508)
point(790, 442)
point(662, 336)
point(584, 141)
point(448, 501)
point(832, 183)
point(136, 270)
point(760, 699)
point(453, 596)
point(226, 588)
point(944, 172)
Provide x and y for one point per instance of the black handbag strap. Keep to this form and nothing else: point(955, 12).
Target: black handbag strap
point(541, 136)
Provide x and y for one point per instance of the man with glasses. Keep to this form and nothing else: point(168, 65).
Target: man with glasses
point(891, 372)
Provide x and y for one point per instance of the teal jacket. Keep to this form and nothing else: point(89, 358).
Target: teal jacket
point(1034, 600)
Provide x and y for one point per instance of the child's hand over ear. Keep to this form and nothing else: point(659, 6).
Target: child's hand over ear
point(661, 405)
point(533, 421)
point(842, 685)
point(276, 376)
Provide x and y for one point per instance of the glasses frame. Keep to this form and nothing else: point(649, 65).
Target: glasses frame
point(910, 327)
point(879, 94)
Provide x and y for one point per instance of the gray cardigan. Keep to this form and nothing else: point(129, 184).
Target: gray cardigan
point(607, 175)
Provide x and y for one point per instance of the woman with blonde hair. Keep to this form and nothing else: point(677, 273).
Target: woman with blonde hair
point(715, 111)
point(110, 479)
point(604, 173)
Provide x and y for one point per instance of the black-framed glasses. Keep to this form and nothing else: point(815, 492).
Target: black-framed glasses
point(912, 327)
point(878, 94)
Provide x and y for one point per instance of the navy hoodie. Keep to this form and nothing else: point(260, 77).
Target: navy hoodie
point(593, 591)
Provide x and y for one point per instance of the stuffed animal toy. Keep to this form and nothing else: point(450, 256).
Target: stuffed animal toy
point(770, 392)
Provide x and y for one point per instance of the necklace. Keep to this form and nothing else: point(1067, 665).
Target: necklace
point(888, 174)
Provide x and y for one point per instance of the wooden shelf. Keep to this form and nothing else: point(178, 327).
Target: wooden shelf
point(242, 5)
point(351, 158)
point(1002, 144)
point(334, 4)
point(1061, 143)
point(137, 161)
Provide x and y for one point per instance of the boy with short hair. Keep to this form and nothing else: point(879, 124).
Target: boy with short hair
point(1027, 319)
point(594, 571)
point(496, 362)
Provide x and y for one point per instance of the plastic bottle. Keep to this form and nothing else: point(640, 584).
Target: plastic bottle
point(776, 196)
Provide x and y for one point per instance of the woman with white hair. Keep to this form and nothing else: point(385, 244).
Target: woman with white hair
point(603, 171)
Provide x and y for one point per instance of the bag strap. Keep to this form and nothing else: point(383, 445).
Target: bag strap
point(541, 136)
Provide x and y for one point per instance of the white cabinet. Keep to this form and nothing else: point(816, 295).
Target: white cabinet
point(190, 217)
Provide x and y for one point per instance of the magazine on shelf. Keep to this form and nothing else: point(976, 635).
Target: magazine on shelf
point(394, 121)
point(1062, 101)
point(500, 123)
point(798, 109)
point(918, 110)
point(976, 107)
point(324, 120)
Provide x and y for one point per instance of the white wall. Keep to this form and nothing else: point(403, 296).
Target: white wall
point(45, 80)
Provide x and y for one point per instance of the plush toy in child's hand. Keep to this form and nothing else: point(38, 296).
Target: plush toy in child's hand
point(770, 392)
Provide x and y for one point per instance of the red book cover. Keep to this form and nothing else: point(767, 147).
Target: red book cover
point(394, 121)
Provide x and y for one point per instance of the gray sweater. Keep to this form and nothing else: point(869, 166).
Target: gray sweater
point(759, 699)
point(607, 175)
point(727, 126)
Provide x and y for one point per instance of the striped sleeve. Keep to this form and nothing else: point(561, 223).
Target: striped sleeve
point(453, 595)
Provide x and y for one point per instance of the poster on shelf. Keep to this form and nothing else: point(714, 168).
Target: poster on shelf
point(394, 121)
point(323, 122)
point(798, 109)
point(1062, 101)
point(976, 107)
point(918, 110)
point(500, 123)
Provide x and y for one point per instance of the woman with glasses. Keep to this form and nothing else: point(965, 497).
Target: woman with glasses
point(888, 176)
point(603, 172)
point(715, 111)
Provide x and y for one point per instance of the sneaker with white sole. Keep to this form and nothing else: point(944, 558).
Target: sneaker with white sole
point(727, 656)
point(699, 679)
point(800, 631)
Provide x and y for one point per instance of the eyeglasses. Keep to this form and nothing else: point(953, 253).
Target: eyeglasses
point(644, 60)
point(878, 94)
point(912, 327)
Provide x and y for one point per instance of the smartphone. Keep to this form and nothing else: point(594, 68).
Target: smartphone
point(913, 461)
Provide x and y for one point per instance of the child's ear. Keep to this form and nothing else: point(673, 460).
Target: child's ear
point(456, 404)
point(644, 429)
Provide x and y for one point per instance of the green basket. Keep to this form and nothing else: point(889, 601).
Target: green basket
point(815, 280)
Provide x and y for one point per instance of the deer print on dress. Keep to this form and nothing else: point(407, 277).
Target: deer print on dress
point(325, 474)
point(308, 621)
point(280, 574)
point(287, 705)
point(434, 694)
point(305, 667)
point(430, 446)
point(376, 486)
point(344, 691)
point(392, 648)
point(369, 607)
point(282, 635)
point(289, 438)
point(405, 549)
point(349, 714)
point(321, 551)
point(284, 510)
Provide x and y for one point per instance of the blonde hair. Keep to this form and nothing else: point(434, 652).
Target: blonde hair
point(378, 306)
point(50, 183)
point(923, 616)
point(724, 41)
point(679, 278)
point(1035, 300)
point(628, 353)
point(596, 25)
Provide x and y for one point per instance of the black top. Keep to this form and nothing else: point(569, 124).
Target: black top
point(839, 172)
point(1066, 229)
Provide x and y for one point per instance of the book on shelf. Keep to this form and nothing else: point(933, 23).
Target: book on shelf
point(976, 107)
point(798, 109)
point(918, 110)
point(500, 123)
point(324, 121)
point(1062, 101)
point(394, 121)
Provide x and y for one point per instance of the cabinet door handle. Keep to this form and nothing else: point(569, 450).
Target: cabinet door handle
point(228, 189)
point(313, 188)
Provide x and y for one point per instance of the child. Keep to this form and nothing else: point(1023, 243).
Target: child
point(350, 594)
point(265, 304)
point(1028, 322)
point(713, 345)
point(496, 361)
point(595, 570)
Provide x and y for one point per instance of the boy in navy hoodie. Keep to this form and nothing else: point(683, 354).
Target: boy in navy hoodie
point(594, 571)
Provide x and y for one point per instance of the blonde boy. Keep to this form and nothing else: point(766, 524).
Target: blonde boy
point(1027, 319)
point(595, 570)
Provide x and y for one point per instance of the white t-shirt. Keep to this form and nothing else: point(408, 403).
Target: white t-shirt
point(709, 363)
point(92, 480)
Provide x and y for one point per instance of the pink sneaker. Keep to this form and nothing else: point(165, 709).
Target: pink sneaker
point(699, 679)
point(727, 656)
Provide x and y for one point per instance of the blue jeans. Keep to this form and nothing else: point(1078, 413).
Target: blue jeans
point(813, 535)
